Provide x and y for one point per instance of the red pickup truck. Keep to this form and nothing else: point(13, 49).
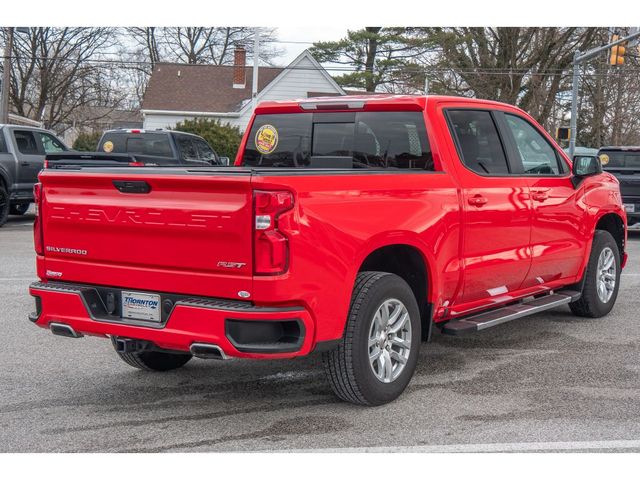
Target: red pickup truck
point(350, 226)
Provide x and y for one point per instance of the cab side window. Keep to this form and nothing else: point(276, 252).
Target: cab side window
point(478, 142)
point(26, 142)
point(537, 155)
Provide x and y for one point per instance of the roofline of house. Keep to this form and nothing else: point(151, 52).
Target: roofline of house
point(18, 118)
point(145, 111)
point(305, 53)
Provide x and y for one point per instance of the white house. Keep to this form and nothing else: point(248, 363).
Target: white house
point(177, 92)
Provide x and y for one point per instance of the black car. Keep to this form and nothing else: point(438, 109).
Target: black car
point(161, 147)
point(624, 163)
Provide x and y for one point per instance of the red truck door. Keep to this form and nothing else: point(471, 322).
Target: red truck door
point(496, 210)
point(557, 247)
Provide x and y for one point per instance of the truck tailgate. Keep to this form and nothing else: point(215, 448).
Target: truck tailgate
point(191, 233)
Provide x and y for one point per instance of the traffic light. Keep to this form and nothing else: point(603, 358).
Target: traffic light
point(617, 51)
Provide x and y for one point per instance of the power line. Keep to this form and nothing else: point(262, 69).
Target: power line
point(410, 69)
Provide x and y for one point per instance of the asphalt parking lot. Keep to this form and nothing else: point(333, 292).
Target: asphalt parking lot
point(551, 382)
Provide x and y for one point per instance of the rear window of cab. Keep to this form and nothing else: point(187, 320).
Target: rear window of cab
point(151, 144)
point(339, 140)
point(619, 158)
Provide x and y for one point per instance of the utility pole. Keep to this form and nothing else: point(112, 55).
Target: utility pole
point(256, 61)
point(573, 125)
point(6, 78)
point(578, 59)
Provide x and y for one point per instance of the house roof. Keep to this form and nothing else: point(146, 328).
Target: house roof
point(201, 88)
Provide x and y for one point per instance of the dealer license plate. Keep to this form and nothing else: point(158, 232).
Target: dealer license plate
point(629, 208)
point(141, 306)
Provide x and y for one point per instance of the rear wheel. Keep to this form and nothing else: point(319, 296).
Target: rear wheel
point(19, 208)
point(4, 205)
point(602, 278)
point(377, 356)
point(154, 361)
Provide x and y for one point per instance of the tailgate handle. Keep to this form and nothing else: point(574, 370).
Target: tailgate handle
point(132, 186)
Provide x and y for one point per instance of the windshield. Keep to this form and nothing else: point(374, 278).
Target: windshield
point(619, 159)
point(339, 140)
point(151, 144)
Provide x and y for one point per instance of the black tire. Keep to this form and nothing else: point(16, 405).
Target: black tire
point(347, 366)
point(154, 361)
point(19, 208)
point(4, 205)
point(590, 304)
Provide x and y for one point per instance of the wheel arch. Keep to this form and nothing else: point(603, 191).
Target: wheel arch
point(609, 221)
point(409, 262)
point(614, 224)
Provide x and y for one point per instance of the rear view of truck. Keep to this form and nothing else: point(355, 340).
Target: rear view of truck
point(135, 246)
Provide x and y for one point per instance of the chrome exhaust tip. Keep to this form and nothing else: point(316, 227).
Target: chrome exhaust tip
point(63, 330)
point(207, 351)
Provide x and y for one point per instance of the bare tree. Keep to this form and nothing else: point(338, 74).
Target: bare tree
point(525, 66)
point(225, 39)
point(53, 75)
point(188, 44)
point(146, 39)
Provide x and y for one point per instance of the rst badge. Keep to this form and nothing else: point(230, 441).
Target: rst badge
point(234, 265)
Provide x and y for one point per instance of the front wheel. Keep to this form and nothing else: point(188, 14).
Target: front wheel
point(377, 356)
point(602, 278)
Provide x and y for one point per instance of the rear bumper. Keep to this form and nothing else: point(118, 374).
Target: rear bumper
point(240, 329)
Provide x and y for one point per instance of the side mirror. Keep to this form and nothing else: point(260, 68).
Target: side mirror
point(224, 161)
point(586, 166)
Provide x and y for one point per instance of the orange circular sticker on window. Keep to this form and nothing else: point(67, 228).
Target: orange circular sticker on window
point(108, 147)
point(266, 139)
point(604, 159)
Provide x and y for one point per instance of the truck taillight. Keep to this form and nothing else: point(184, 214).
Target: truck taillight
point(37, 224)
point(273, 214)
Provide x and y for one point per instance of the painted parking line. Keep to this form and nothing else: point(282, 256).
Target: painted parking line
point(493, 447)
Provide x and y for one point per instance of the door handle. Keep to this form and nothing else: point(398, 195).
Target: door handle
point(477, 200)
point(25, 164)
point(540, 195)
